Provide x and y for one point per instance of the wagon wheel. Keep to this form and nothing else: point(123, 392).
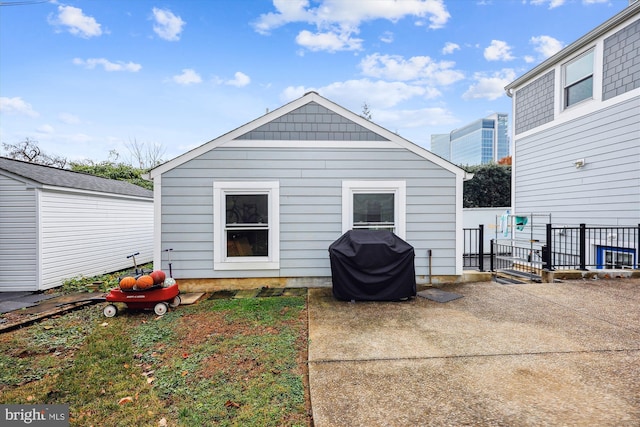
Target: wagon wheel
point(160, 308)
point(175, 302)
point(110, 310)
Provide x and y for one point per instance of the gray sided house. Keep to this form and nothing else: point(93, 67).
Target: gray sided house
point(576, 129)
point(268, 198)
point(57, 224)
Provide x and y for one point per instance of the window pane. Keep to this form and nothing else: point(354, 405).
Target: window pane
point(614, 259)
point(247, 208)
point(579, 69)
point(243, 243)
point(373, 208)
point(625, 260)
point(579, 92)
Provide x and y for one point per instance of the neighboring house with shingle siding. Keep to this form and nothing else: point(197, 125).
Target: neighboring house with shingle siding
point(576, 122)
point(268, 198)
point(56, 224)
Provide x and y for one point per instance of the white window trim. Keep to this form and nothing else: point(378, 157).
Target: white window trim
point(220, 259)
point(596, 95)
point(399, 188)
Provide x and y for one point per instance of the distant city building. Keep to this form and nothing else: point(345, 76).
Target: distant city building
point(480, 142)
point(441, 145)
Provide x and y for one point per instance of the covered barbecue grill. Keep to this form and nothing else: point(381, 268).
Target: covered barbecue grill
point(373, 265)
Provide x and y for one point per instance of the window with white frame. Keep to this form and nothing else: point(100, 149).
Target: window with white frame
point(374, 205)
point(578, 79)
point(246, 225)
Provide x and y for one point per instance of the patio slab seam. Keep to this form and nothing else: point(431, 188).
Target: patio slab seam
point(473, 356)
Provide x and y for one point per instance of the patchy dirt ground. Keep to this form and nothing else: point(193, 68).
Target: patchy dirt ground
point(243, 361)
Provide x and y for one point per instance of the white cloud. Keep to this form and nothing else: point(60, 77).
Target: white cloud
point(337, 20)
point(423, 68)
point(16, 106)
point(188, 77)
point(239, 80)
point(552, 3)
point(287, 11)
point(45, 129)
point(387, 37)
point(293, 92)
point(328, 41)
point(489, 86)
point(378, 93)
point(69, 118)
point(498, 51)
point(167, 25)
point(76, 21)
point(449, 48)
point(546, 46)
point(92, 63)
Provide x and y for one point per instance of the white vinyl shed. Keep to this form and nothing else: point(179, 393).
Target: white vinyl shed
point(56, 224)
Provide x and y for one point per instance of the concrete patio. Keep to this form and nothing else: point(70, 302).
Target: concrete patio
point(535, 354)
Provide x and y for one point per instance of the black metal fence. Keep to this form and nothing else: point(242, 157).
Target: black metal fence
point(581, 247)
point(473, 256)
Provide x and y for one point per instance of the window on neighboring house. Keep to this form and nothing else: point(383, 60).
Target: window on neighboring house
point(246, 225)
point(615, 257)
point(374, 205)
point(578, 79)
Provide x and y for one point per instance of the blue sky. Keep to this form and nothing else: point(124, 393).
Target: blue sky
point(86, 77)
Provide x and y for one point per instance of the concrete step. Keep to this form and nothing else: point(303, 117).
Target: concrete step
point(513, 277)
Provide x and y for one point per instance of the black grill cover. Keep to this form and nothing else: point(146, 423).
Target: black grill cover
point(373, 265)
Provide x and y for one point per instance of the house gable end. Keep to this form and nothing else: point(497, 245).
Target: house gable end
point(312, 122)
point(628, 14)
point(314, 108)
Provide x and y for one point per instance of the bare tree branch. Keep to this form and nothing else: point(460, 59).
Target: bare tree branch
point(28, 151)
point(145, 156)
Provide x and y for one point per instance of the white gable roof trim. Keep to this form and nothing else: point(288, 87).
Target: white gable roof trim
point(231, 139)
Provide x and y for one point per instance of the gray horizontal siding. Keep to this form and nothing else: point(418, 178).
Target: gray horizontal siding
point(310, 205)
point(18, 236)
point(605, 191)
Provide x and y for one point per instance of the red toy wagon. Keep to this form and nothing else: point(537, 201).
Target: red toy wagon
point(158, 298)
point(144, 290)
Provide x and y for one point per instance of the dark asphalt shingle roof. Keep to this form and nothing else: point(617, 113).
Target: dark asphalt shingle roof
point(48, 175)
